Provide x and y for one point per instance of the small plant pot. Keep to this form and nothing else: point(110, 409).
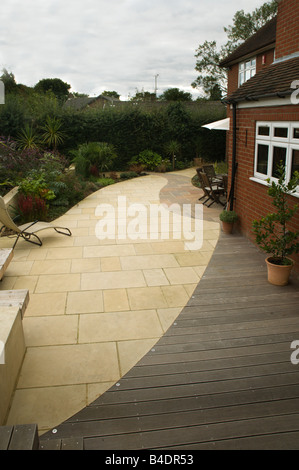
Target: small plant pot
point(278, 275)
point(227, 227)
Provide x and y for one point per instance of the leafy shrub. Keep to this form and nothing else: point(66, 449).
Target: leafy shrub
point(195, 181)
point(105, 181)
point(16, 163)
point(149, 159)
point(221, 167)
point(164, 166)
point(228, 216)
point(36, 185)
point(98, 156)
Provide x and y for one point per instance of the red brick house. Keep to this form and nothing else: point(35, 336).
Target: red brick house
point(263, 107)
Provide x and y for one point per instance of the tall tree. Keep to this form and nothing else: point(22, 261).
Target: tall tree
point(209, 56)
point(174, 94)
point(59, 88)
point(143, 96)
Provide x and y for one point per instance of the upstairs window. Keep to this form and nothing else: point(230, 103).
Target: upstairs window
point(247, 70)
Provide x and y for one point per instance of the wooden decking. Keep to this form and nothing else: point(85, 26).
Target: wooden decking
point(220, 378)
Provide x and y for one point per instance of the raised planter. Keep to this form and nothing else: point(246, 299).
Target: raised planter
point(12, 351)
point(228, 219)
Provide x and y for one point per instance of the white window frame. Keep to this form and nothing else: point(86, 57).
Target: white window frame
point(289, 143)
point(243, 68)
point(294, 125)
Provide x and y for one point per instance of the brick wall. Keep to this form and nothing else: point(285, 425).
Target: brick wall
point(287, 35)
point(252, 201)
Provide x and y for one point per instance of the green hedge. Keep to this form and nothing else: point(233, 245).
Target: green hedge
point(131, 130)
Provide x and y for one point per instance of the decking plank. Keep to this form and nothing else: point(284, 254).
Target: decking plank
point(195, 434)
point(106, 411)
point(187, 418)
point(210, 365)
point(5, 436)
point(177, 378)
point(24, 437)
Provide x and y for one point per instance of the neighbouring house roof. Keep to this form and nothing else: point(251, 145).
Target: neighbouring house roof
point(272, 81)
point(82, 102)
point(262, 40)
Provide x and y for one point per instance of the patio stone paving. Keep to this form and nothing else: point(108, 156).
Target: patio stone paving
point(98, 306)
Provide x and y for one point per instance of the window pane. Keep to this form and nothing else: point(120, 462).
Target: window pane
point(279, 158)
point(264, 130)
point(281, 132)
point(247, 75)
point(253, 62)
point(262, 158)
point(295, 161)
point(296, 133)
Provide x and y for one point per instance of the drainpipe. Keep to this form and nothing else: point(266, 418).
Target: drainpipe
point(234, 155)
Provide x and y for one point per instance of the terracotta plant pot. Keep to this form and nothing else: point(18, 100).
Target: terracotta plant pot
point(278, 275)
point(227, 227)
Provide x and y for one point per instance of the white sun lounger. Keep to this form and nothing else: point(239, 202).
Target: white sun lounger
point(27, 231)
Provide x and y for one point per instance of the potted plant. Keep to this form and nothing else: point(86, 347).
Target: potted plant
point(228, 218)
point(272, 233)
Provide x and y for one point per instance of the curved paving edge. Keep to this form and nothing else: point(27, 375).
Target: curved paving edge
point(219, 378)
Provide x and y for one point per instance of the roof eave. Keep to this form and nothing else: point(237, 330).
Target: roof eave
point(228, 63)
point(280, 94)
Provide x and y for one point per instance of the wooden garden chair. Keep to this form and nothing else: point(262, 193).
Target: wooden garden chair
point(206, 194)
point(209, 170)
point(214, 191)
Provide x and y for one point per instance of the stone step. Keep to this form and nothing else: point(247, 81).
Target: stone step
point(15, 298)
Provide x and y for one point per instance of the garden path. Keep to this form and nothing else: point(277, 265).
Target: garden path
point(98, 306)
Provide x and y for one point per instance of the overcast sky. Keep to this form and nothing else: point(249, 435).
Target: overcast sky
point(97, 45)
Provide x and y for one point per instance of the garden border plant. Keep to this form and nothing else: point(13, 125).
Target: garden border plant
point(271, 231)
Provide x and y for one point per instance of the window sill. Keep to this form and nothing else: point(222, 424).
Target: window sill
point(264, 183)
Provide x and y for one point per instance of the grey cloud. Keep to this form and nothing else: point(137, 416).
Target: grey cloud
point(120, 44)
